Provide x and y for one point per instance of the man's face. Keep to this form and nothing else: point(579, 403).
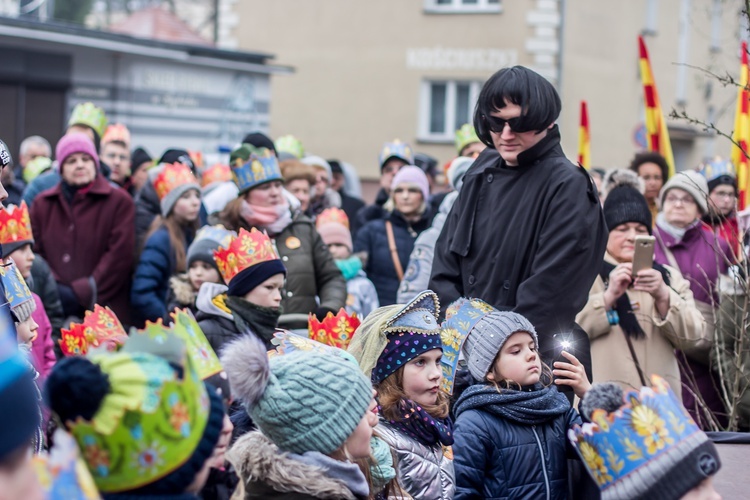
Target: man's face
point(34, 150)
point(723, 199)
point(508, 143)
point(117, 157)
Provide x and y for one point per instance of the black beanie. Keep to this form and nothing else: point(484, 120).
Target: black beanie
point(177, 156)
point(259, 140)
point(626, 204)
point(722, 179)
point(247, 279)
point(138, 158)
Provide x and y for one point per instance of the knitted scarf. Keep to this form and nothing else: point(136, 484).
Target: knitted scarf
point(627, 319)
point(273, 219)
point(416, 423)
point(531, 405)
point(262, 321)
point(349, 267)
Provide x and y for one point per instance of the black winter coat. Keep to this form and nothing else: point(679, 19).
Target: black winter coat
point(528, 238)
point(496, 458)
point(370, 212)
point(218, 330)
point(373, 240)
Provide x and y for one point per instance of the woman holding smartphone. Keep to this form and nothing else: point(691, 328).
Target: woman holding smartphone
point(636, 320)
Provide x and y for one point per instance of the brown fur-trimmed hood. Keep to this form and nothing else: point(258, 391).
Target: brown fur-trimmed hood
point(183, 291)
point(267, 472)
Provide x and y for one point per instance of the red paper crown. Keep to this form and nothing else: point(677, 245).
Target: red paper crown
point(336, 331)
point(117, 132)
point(216, 173)
point(246, 250)
point(99, 327)
point(15, 224)
point(332, 214)
point(172, 176)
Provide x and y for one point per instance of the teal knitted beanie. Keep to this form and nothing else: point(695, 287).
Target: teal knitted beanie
point(303, 401)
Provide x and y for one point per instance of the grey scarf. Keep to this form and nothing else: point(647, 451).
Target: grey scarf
point(345, 472)
point(533, 405)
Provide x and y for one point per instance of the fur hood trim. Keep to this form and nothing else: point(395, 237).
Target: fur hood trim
point(183, 290)
point(258, 460)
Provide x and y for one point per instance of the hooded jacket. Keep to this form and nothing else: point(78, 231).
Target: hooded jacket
point(217, 323)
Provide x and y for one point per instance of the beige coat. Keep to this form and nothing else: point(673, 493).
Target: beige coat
point(610, 356)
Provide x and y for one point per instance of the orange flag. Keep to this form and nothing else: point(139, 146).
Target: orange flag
point(741, 134)
point(584, 138)
point(656, 127)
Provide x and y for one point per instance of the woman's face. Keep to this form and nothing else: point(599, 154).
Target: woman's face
point(300, 188)
point(268, 293)
point(78, 169)
point(621, 243)
point(266, 195)
point(358, 443)
point(651, 175)
point(408, 199)
point(680, 208)
point(188, 207)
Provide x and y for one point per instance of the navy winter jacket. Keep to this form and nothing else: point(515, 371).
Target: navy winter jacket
point(497, 458)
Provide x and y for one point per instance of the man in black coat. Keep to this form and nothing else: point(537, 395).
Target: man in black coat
point(526, 232)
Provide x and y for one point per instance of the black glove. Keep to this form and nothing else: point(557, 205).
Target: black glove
point(321, 312)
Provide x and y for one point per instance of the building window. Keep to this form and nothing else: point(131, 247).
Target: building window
point(461, 6)
point(444, 107)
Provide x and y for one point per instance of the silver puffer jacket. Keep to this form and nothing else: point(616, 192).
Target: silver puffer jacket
point(424, 472)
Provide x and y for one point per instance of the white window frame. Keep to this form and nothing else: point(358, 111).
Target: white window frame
point(448, 135)
point(458, 7)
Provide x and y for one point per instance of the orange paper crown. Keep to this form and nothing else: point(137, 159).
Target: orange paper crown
point(216, 173)
point(246, 250)
point(15, 224)
point(172, 176)
point(117, 132)
point(332, 214)
point(99, 327)
point(336, 331)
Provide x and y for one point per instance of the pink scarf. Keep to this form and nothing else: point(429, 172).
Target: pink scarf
point(273, 219)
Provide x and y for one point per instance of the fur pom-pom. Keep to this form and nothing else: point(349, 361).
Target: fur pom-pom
point(246, 362)
point(76, 388)
point(607, 396)
point(621, 177)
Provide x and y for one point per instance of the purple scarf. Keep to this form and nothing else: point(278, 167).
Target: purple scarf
point(416, 423)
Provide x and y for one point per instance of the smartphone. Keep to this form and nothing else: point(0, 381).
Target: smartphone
point(562, 343)
point(643, 257)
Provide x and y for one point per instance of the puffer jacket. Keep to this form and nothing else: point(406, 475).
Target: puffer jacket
point(267, 473)
point(496, 458)
point(422, 471)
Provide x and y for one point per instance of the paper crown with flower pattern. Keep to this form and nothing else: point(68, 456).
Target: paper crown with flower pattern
point(100, 327)
point(335, 330)
point(218, 172)
point(464, 136)
point(246, 250)
point(89, 115)
point(631, 449)
point(17, 292)
point(117, 133)
point(171, 176)
point(396, 149)
point(15, 225)
point(252, 167)
point(332, 214)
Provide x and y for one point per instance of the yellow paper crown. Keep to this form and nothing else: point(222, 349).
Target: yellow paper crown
point(15, 224)
point(89, 115)
point(216, 173)
point(172, 176)
point(246, 250)
point(117, 133)
point(99, 327)
point(332, 214)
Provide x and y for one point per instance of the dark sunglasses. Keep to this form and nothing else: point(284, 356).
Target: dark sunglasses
point(497, 125)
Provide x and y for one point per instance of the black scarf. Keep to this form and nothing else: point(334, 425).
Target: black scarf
point(416, 423)
point(529, 406)
point(627, 320)
point(69, 191)
point(262, 321)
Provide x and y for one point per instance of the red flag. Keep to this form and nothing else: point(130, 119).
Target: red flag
point(584, 138)
point(741, 134)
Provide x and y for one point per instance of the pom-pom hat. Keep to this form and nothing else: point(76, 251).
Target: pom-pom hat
point(15, 228)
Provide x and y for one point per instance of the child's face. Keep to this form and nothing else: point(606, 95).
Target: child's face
point(268, 293)
point(187, 207)
point(704, 491)
point(339, 251)
point(23, 257)
point(518, 361)
point(422, 376)
point(202, 272)
point(26, 331)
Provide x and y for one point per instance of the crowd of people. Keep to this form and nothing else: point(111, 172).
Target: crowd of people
point(253, 329)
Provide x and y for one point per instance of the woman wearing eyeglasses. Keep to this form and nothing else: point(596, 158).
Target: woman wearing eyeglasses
point(683, 242)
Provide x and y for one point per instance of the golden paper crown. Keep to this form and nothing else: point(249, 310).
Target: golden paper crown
point(99, 327)
point(246, 250)
point(117, 133)
point(15, 224)
point(216, 173)
point(332, 214)
point(336, 331)
point(172, 176)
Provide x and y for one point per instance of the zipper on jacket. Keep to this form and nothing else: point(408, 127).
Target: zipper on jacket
point(544, 465)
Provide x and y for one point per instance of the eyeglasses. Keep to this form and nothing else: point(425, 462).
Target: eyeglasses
point(721, 194)
point(497, 125)
point(686, 200)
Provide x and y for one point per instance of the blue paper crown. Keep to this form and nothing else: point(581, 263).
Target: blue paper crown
point(396, 149)
point(460, 319)
point(258, 169)
point(716, 168)
point(418, 316)
point(16, 290)
point(652, 427)
point(217, 233)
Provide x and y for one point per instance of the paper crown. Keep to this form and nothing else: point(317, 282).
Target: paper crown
point(716, 168)
point(464, 136)
point(17, 292)
point(332, 214)
point(246, 250)
point(15, 224)
point(34, 168)
point(62, 474)
point(396, 149)
point(259, 167)
point(647, 434)
point(336, 330)
point(171, 176)
point(290, 144)
point(217, 233)
point(217, 172)
point(89, 115)
point(100, 328)
point(117, 133)
point(460, 319)
point(184, 326)
point(288, 342)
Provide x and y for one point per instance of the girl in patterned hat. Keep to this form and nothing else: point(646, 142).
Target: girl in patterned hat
point(400, 348)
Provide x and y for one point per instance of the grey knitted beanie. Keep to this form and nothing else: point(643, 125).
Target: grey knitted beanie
point(487, 338)
point(691, 182)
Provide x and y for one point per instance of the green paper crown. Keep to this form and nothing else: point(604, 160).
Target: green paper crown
point(89, 115)
point(464, 136)
point(290, 144)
